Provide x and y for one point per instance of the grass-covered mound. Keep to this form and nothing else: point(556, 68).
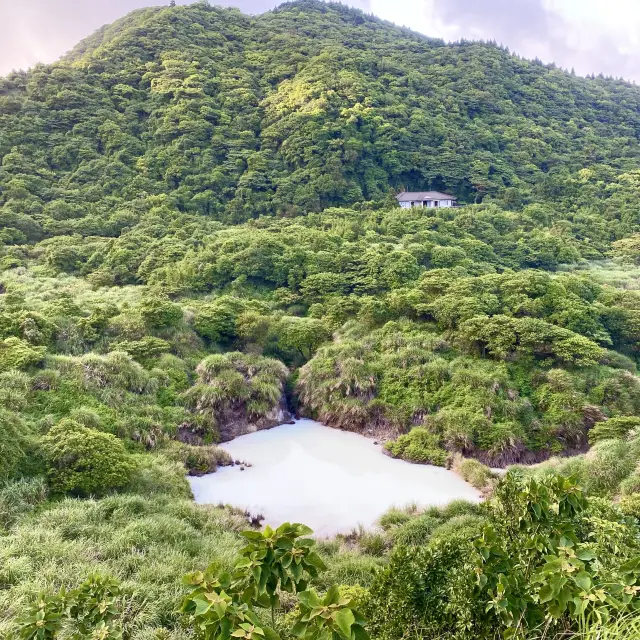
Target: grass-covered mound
point(148, 542)
point(238, 393)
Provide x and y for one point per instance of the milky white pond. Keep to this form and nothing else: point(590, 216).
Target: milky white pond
point(329, 479)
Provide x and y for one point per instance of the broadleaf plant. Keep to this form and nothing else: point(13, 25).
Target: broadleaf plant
point(221, 606)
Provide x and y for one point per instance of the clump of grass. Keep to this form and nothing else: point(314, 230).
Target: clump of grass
point(631, 484)
point(459, 508)
point(626, 628)
point(608, 463)
point(396, 516)
point(148, 543)
point(158, 475)
point(630, 505)
point(237, 386)
point(198, 460)
point(466, 526)
point(415, 532)
point(475, 473)
point(419, 445)
point(373, 543)
point(21, 497)
point(350, 567)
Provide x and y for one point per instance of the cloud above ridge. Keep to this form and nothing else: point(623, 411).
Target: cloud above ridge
point(591, 36)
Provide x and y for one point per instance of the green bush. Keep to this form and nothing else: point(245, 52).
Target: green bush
point(19, 354)
point(426, 592)
point(159, 312)
point(144, 349)
point(84, 461)
point(614, 428)
point(419, 445)
point(492, 575)
point(216, 321)
point(630, 505)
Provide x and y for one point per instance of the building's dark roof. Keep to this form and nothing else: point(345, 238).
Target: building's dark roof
point(408, 196)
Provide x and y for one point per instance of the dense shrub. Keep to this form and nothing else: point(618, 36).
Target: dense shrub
point(141, 350)
point(160, 313)
point(19, 354)
point(216, 321)
point(614, 428)
point(84, 461)
point(483, 576)
point(425, 592)
point(419, 445)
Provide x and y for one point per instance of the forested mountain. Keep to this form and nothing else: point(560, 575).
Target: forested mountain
point(305, 107)
point(199, 238)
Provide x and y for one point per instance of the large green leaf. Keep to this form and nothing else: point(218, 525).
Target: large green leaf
point(309, 598)
point(344, 619)
point(583, 580)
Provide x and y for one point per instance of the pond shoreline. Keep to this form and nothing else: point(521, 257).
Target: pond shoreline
point(331, 479)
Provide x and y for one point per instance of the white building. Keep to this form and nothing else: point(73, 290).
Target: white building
point(428, 199)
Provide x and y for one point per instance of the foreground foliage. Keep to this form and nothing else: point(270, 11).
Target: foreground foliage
point(547, 556)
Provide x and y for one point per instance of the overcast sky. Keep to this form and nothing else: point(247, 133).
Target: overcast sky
point(591, 36)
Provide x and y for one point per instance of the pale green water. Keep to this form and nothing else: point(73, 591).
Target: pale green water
point(329, 479)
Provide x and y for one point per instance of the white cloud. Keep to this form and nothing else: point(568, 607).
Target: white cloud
point(592, 36)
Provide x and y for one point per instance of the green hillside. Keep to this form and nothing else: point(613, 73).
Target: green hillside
point(199, 237)
point(296, 110)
